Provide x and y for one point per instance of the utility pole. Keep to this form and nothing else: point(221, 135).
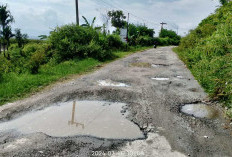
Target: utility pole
point(77, 13)
point(162, 25)
point(127, 32)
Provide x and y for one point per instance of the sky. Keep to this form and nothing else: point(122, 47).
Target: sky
point(39, 17)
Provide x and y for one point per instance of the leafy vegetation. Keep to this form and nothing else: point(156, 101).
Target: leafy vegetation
point(207, 51)
point(69, 49)
point(117, 18)
point(169, 37)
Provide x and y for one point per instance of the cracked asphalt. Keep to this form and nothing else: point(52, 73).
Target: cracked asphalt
point(153, 105)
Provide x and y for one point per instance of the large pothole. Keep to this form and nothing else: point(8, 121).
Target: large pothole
point(82, 118)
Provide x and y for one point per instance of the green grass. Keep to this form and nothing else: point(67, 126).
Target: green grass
point(207, 51)
point(14, 87)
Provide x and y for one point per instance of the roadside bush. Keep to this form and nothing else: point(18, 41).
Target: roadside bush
point(145, 41)
point(172, 37)
point(5, 66)
point(207, 51)
point(29, 49)
point(69, 41)
point(37, 59)
point(164, 41)
point(1, 73)
point(115, 42)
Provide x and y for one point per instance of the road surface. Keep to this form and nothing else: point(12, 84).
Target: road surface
point(158, 85)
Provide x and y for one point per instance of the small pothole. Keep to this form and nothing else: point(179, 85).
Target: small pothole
point(199, 111)
point(160, 78)
point(111, 83)
point(141, 65)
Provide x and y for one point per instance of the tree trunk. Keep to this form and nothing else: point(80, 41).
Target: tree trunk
point(4, 50)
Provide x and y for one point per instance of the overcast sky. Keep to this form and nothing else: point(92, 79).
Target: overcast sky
point(36, 17)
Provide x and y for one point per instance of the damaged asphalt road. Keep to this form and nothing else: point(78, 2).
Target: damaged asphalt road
point(154, 84)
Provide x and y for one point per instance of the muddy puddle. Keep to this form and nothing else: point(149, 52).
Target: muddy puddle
point(160, 78)
point(147, 65)
point(108, 83)
point(141, 65)
point(89, 118)
point(200, 111)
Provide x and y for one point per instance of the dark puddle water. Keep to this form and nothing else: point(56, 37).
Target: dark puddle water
point(88, 118)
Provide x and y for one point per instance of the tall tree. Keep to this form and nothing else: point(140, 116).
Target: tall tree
point(7, 33)
point(223, 2)
point(117, 18)
point(5, 20)
point(20, 38)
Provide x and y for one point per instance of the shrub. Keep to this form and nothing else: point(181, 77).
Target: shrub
point(114, 42)
point(145, 41)
point(29, 49)
point(173, 38)
point(1, 73)
point(70, 41)
point(37, 59)
point(164, 41)
point(207, 51)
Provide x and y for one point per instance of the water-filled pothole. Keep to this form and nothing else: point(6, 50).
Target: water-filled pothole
point(160, 78)
point(159, 65)
point(180, 77)
point(141, 65)
point(111, 83)
point(88, 118)
point(199, 110)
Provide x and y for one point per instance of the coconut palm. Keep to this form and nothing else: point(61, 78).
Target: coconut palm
point(5, 30)
point(7, 33)
point(20, 38)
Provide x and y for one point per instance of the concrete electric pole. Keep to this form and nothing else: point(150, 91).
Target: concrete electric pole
point(77, 13)
point(127, 31)
point(162, 25)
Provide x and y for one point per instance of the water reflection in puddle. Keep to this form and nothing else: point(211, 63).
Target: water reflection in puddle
point(111, 83)
point(180, 77)
point(155, 65)
point(92, 118)
point(160, 79)
point(199, 110)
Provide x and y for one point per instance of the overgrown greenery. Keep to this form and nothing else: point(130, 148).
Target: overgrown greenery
point(169, 37)
point(69, 49)
point(207, 51)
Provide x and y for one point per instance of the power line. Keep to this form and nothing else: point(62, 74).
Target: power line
point(113, 6)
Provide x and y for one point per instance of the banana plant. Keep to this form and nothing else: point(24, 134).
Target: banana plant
point(87, 24)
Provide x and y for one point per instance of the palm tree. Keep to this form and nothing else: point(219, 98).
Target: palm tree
point(20, 38)
point(87, 24)
point(5, 16)
point(7, 33)
point(5, 19)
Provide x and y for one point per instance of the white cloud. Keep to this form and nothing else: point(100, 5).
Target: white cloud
point(37, 17)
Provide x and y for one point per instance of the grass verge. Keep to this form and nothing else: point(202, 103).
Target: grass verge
point(214, 75)
point(14, 86)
